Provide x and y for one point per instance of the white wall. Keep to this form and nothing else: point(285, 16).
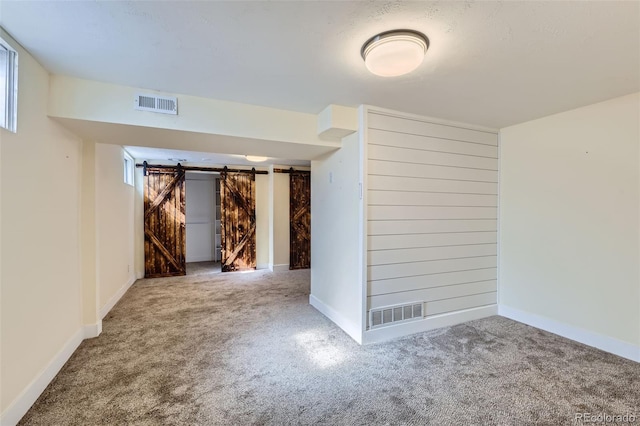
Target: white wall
point(281, 230)
point(138, 221)
point(88, 235)
point(432, 209)
point(336, 255)
point(104, 112)
point(262, 221)
point(41, 306)
point(569, 224)
point(114, 226)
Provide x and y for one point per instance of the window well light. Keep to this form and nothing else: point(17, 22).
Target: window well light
point(394, 53)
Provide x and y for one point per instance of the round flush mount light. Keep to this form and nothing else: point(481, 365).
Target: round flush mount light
point(394, 53)
point(255, 158)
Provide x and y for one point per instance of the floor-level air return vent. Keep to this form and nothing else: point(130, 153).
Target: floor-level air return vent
point(393, 314)
point(154, 103)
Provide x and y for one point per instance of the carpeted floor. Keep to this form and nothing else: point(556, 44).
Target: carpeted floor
point(246, 348)
point(203, 268)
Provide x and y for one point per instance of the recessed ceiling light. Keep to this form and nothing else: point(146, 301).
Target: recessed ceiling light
point(394, 53)
point(255, 158)
point(178, 160)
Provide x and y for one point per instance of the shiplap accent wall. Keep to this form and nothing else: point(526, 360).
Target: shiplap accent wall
point(432, 208)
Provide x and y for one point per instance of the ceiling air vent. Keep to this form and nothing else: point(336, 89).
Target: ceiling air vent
point(154, 103)
point(393, 314)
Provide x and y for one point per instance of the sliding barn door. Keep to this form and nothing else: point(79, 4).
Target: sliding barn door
point(300, 220)
point(164, 223)
point(238, 221)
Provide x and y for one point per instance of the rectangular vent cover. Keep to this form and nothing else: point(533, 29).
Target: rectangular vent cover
point(393, 314)
point(154, 103)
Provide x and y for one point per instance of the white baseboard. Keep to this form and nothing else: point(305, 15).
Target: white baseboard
point(281, 268)
point(262, 266)
point(92, 330)
point(347, 326)
point(605, 343)
point(437, 321)
point(116, 297)
point(19, 407)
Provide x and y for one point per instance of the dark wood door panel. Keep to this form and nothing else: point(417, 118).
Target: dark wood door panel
point(164, 222)
point(238, 221)
point(300, 220)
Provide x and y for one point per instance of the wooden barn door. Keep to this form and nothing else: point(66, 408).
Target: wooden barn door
point(164, 223)
point(238, 221)
point(300, 220)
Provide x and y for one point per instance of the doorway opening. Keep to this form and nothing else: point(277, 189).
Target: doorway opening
point(238, 218)
point(202, 220)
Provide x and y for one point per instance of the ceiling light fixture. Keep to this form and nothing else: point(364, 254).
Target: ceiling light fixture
point(255, 158)
point(394, 53)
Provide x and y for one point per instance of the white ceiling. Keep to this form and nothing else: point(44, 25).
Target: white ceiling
point(204, 158)
point(490, 63)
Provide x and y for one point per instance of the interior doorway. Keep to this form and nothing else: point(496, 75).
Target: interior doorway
point(256, 230)
point(203, 251)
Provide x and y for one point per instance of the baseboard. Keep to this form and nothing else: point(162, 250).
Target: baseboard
point(596, 340)
point(19, 407)
point(437, 321)
point(347, 326)
point(116, 298)
point(92, 330)
point(281, 268)
point(262, 266)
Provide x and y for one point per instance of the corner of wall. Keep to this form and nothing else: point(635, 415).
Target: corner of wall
point(596, 340)
point(23, 402)
point(336, 276)
point(562, 256)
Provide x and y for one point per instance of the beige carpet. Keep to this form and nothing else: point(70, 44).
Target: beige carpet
point(246, 348)
point(203, 268)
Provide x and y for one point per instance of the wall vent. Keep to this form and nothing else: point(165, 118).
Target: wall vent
point(154, 103)
point(388, 315)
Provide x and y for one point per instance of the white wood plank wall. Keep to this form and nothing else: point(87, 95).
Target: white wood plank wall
point(432, 214)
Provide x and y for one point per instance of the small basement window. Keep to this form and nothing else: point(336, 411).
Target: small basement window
point(8, 86)
point(128, 169)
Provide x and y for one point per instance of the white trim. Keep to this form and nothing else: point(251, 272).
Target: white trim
point(427, 119)
point(262, 266)
point(437, 321)
point(30, 394)
point(116, 297)
point(11, 98)
point(280, 268)
point(129, 175)
point(596, 340)
point(92, 330)
point(363, 140)
point(499, 222)
point(347, 326)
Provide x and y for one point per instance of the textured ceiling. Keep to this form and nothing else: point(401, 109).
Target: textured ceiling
point(489, 63)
